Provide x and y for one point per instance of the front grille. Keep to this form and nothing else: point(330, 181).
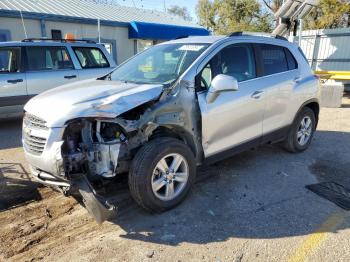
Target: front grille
point(34, 144)
point(34, 122)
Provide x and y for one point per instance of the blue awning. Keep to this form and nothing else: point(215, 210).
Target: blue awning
point(141, 30)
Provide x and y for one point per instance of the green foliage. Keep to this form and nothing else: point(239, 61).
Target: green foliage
point(225, 16)
point(180, 11)
point(329, 14)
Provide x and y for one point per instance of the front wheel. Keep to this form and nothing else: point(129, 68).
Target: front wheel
point(161, 174)
point(301, 132)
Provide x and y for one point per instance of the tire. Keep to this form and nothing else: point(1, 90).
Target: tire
point(145, 172)
point(293, 141)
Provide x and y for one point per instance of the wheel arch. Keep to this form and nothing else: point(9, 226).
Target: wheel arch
point(314, 105)
point(177, 132)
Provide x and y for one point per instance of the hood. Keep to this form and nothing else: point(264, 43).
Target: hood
point(90, 98)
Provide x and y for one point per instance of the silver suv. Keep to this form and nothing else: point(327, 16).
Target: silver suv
point(167, 110)
point(32, 66)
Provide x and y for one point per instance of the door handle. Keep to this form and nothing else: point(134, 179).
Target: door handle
point(14, 81)
point(257, 94)
point(70, 77)
point(297, 79)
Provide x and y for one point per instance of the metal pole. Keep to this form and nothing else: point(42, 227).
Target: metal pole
point(99, 30)
point(300, 31)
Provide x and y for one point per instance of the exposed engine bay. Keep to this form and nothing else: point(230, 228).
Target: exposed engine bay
point(93, 147)
point(94, 152)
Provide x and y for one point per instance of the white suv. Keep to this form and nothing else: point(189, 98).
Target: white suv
point(171, 108)
point(32, 66)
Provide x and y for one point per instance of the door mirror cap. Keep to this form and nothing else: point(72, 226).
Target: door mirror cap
point(221, 83)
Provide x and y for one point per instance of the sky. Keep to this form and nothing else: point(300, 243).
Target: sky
point(159, 4)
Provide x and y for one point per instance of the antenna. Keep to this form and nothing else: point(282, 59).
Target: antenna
point(24, 27)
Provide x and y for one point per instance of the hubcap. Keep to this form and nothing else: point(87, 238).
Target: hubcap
point(170, 177)
point(304, 131)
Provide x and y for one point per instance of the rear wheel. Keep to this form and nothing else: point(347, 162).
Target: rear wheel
point(161, 174)
point(301, 132)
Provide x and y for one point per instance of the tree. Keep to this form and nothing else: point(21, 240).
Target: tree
point(225, 16)
point(329, 14)
point(180, 11)
point(273, 5)
point(206, 13)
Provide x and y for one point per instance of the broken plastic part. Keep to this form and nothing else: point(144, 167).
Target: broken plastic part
point(96, 205)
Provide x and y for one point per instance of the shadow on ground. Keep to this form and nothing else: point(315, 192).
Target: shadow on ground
point(10, 133)
point(255, 195)
point(16, 189)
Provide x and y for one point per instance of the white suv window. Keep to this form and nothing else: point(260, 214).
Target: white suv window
point(47, 58)
point(9, 60)
point(91, 57)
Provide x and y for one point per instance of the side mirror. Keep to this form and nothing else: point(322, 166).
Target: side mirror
point(221, 83)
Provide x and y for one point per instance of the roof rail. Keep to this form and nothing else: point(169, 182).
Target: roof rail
point(58, 40)
point(258, 34)
point(180, 37)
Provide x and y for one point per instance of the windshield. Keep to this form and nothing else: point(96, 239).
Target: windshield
point(161, 64)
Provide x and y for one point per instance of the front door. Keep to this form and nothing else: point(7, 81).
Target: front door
point(13, 92)
point(235, 117)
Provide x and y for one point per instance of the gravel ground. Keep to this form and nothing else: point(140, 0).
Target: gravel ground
point(251, 207)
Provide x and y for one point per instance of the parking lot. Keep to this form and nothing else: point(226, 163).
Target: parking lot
point(251, 207)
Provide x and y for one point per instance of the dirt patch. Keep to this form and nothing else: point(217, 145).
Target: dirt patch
point(42, 222)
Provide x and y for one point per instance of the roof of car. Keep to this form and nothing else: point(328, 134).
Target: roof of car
point(212, 39)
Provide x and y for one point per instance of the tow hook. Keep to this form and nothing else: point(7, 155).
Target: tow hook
point(97, 206)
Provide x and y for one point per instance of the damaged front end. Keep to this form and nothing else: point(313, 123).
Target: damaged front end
point(94, 152)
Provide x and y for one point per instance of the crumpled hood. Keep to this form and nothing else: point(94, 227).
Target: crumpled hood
point(90, 98)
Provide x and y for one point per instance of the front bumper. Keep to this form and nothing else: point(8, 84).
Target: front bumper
point(47, 168)
point(50, 160)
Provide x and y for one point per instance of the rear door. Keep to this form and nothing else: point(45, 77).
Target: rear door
point(13, 93)
point(48, 67)
point(93, 62)
point(279, 77)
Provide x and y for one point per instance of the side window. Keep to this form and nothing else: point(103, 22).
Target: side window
point(48, 58)
point(235, 60)
point(292, 63)
point(91, 57)
point(273, 59)
point(9, 60)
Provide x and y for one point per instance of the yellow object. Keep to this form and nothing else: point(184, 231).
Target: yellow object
point(335, 75)
point(315, 239)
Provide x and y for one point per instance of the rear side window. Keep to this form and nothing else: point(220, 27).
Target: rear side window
point(91, 57)
point(292, 63)
point(48, 58)
point(9, 60)
point(273, 59)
